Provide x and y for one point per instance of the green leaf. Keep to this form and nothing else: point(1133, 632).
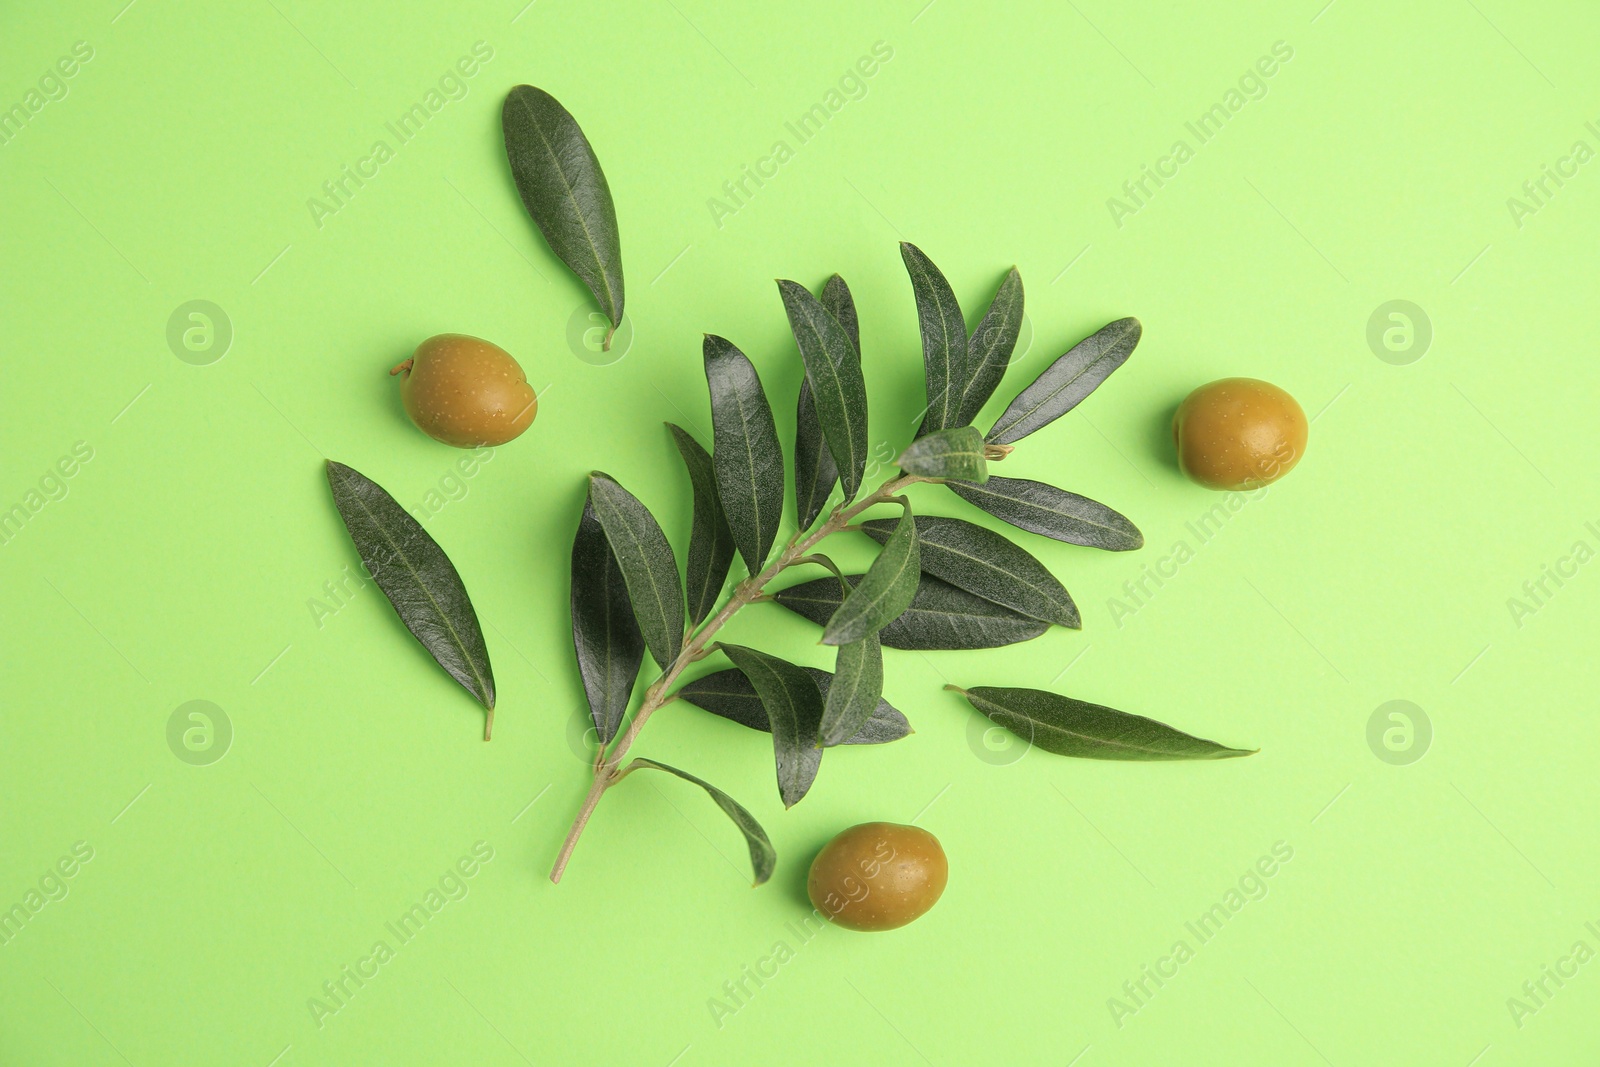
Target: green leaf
point(1051, 512)
point(763, 857)
point(747, 457)
point(944, 339)
point(1071, 727)
point(885, 590)
point(955, 454)
point(990, 346)
point(710, 540)
point(419, 580)
point(834, 373)
point(941, 617)
point(857, 682)
point(842, 306)
point(794, 711)
point(605, 634)
point(983, 562)
point(565, 191)
point(1064, 383)
point(815, 473)
point(648, 567)
point(730, 695)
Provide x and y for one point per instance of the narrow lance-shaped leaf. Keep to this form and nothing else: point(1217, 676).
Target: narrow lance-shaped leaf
point(747, 457)
point(763, 857)
point(419, 580)
point(990, 347)
point(1063, 384)
point(565, 191)
point(951, 455)
point(941, 616)
point(604, 633)
point(710, 540)
point(794, 710)
point(1071, 727)
point(648, 567)
point(857, 680)
point(885, 590)
point(837, 387)
point(983, 562)
point(730, 695)
point(815, 473)
point(944, 339)
point(1051, 512)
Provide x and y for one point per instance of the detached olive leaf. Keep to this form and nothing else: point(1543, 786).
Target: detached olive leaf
point(1051, 512)
point(605, 634)
point(833, 370)
point(950, 455)
point(565, 191)
point(990, 346)
point(1064, 383)
point(730, 695)
point(648, 567)
point(815, 473)
point(418, 578)
point(985, 563)
point(747, 457)
point(710, 540)
point(1071, 727)
point(763, 857)
point(944, 339)
point(941, 617)
point(794, 711)
point(886, 589)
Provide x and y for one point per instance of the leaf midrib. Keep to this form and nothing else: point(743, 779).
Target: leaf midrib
point(1064, 731)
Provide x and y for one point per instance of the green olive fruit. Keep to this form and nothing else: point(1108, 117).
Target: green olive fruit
point(1238, 433)
point(466, 392)
point(878, 876)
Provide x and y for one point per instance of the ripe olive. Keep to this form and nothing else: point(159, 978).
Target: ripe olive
point(1238, 433)
point(466, 392)
point(878, 876)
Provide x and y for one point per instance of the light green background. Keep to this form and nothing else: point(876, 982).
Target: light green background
point(180, 564)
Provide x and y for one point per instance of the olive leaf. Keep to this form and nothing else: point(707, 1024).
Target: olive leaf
point(710, 540)
point(763, 857)
point(833, 371)
point(648, 567)
point(885, 590)
point(953, 455)
point(985, 563)
point(815, 473)
point(747, 457)
point(857, 680)
point(730, 695)
point(418, 578)
point(944, 339)
point(836, 297)
point(565, 191)
point(1051, 512)
point(605, 634)
point(990, 346)
point(1064, 383)
point(1071, 727)
point(941, 616)
point(794, 711)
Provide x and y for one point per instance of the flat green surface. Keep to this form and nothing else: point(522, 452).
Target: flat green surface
point(185, 559)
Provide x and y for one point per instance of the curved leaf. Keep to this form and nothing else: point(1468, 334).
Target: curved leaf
point(1064, 383)
point(418, 578)
point(1071, 727)
point(1051, 512)
point(605, 634)
point(983, 562)
point(952, 455)
point(565, 191)
point(944, 339)
point(648, 567)
point(815, 473)
point(747, 457)
point(990, 346)
point(857, 683)
point(763, 857)
point(710, 540)
point(834, 373)
point(794, 711)
point(885, 590)
point(941, 616)
point(729, 694)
